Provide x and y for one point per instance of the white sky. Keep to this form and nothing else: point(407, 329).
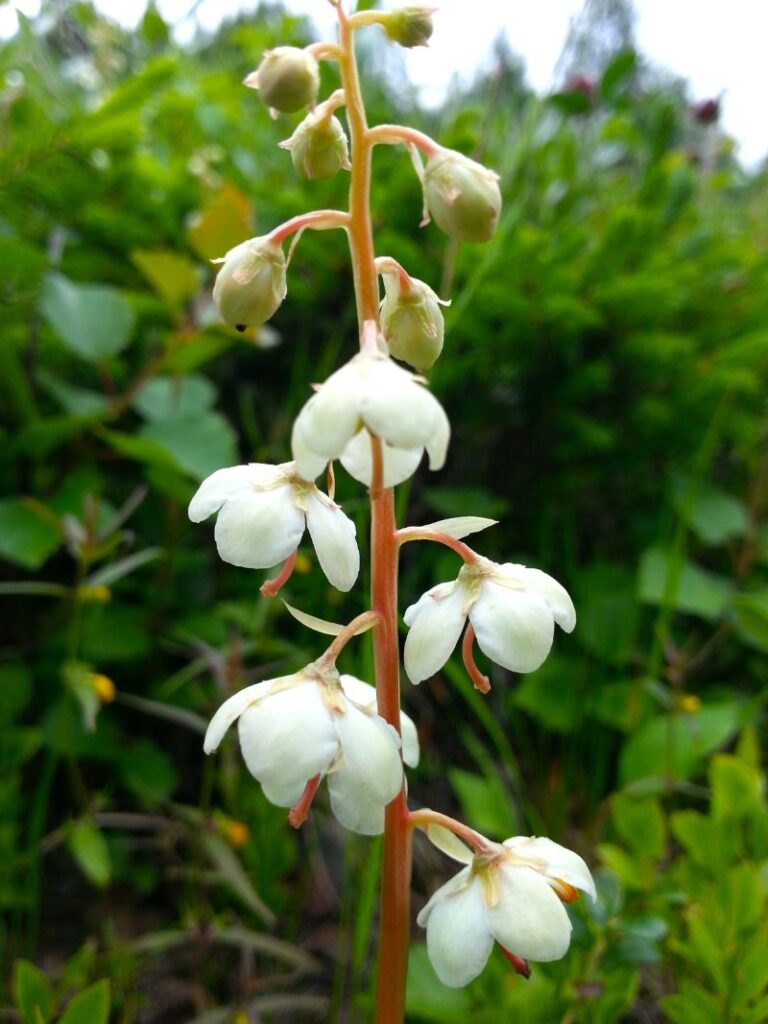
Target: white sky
point(717, 45)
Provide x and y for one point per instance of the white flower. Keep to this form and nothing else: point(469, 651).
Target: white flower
point(399, 463)
point(513, 611)
point(263, 511)
point(318, 723)
point(510, 893)
point(374, 392)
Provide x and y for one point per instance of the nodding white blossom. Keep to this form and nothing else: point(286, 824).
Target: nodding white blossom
point(374, 392)
point(316, 722)
point(399, 463)
point(263, 511)
point(511, 893)
point(513, 610)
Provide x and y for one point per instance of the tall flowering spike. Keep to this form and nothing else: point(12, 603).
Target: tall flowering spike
point(510, 893)
point(263, 511)
point(313, 723)
point(251, 283)
point(512, 608)
point(287, 79)
point(462, 196)
point(373, 392)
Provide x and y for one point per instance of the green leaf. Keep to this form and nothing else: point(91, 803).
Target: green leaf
point(89, 848)
point(616, 74)
point(633, 873)
point(685, 586)
point(736, 788)
point(88, 1007)
point(222, 224)
point(141, 449)
point(714, 516)
point(27, 538)
point(172, 275)
point(32, 992)
point(72, 399)
point(171, 397)
point(672, 745)
point(692, 1003)
point(426, 996)
point(149, 773)
point(608, 612)
point(484, 802)
point(696, 834)
point(199, 444)
point(92, 320)
point(640, 823)
point(751, 614)
point(639, 939)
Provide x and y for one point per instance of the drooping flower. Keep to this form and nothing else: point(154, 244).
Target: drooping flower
point(287, 79)
point(263, 511)
point(511, 893)
point(374, 392)
point(411, 320)
point(399, 463)
point(251, 283)
point(461, 195)
point(316, 722)
point(513, 610)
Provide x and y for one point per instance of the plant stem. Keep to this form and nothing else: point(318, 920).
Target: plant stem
point(396, 871)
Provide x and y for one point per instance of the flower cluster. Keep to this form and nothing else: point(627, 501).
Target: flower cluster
point(378, 420)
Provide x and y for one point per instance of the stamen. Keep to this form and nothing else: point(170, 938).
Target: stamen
point(481, 682)
point(521, 966)
point(567, 892)
point(271, 588)
point(298, 813)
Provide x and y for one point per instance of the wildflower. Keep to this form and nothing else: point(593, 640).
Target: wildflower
point(251, 283)
point(409, 26)
point(370, 391)
point(462, 196)
point(513, 610)
point(399, 463)
point(411, 321)
point(287, 79)
point(102, 686)
point(511, 893)
point(263, 511)
point(317, 723)
point(318, 147)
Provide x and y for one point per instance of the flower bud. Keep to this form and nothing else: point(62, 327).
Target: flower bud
point(409, 26)
point(412, 322)
point(251, 284)
point(462, 196)
point(287, 79)
point(318, 146)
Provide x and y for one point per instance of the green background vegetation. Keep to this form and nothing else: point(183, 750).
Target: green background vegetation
point(605, 373)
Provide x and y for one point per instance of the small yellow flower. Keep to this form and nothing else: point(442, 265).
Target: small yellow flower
point(98, 594)
point(689, 703)
point(303, 564)
point(235, 832)
point(102, 686)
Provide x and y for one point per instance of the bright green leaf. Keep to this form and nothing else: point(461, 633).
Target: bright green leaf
point(89, 848)
point(686, 587)
point(221, 225)
point(31, 992)
point(484, 802)
point(27, 538)
point(172, 275)
point(93, 320)
point(200, 444)
point(88, 1007)
point(714, 516)
point(640, 823)
point(166, 398)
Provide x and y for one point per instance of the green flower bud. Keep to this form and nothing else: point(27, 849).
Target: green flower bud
point(287, 79)
point(251, 283)
point(462, 196)
point(409, 26)
point(318, 146)
point(412, 322)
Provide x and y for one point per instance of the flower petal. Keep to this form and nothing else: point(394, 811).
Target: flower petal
point(436, 621)
point(309, 464)
point(437, 444)
point(333, 535)
point(231, 710)
point(259, 529)
point(513, 627)
point(221, 485)
point(555, 596)
point(364, 695)
point(288, 738)
point(371, 751)
point(397, 409)
point(399, 463)
point(329, 420)
point(351, 802)
point(459, 940)
point(556, 861)
point(528, 919)
point(449, 844)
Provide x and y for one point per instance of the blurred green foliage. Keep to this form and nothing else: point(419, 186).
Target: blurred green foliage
point(605, 373)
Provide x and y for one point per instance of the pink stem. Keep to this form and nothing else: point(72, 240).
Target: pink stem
point(298, 813)
point(481, 681)
point(319, 220)
point(272, 587)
